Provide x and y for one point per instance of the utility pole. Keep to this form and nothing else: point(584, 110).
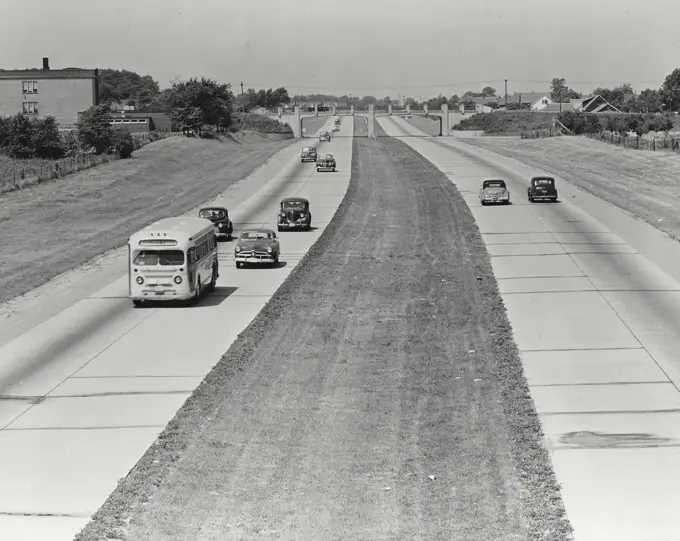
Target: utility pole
point(506, 93)
point(242, 88)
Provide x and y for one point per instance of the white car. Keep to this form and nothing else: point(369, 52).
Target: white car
point(336, 128)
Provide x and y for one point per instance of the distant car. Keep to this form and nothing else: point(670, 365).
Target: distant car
point(542, 189)
point(294, 214)
point(494, 191)
point(337, 120)
point(219, 216)
point(257, 246)
point(308, 154)
point(326, 162)
point(324, 136)
point(336, 127)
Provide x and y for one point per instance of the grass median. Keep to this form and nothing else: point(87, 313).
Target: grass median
point(378, 395)
point(53, 227)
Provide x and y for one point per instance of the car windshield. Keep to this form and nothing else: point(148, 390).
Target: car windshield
point(256, 235)
point(543, 182)
point(494, 185)
point(308, 149)
point(293, 205)
point(212, 213)
point(147, 258)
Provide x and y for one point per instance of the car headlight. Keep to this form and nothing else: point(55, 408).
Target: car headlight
point(178, 279)
point(140, 280)
point(238, 248)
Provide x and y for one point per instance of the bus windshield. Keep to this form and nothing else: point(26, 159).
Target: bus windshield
point(147, 258)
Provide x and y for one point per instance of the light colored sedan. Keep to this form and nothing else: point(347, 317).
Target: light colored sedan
point(494, 191)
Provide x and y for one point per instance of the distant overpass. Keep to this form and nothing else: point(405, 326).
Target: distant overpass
point(295, 119)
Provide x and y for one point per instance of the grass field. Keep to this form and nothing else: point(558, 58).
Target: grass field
point(55, 226)
point(642, 182)
point(392, 405)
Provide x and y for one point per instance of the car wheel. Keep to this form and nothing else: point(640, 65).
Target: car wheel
point(334, 170)
point(197, 292)
point(138, 303)
point(213, 279)
point(239, 264)
point(280, 229)
point(483, 203)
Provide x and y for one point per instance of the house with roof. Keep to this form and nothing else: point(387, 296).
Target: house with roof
point(593, 104)
point(537, 101)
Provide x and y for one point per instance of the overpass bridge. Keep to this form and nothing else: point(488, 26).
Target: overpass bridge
point(296, 119)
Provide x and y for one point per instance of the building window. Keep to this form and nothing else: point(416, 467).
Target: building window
point(29, 87)
point(30, 107)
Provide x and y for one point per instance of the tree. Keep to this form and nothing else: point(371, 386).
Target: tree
point(560, 92)
point(94, 128)
point(368, 100)
point(670, 91)
point(124, 85)
point(198, 102)
point(615, 96)
point(47, 140)
point(19, 142)
point(488, 91)
point(453, 101)
point(648, 101)
point(123, 143)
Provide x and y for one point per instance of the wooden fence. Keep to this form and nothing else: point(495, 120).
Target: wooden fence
point(668, 143)
point(21, 173)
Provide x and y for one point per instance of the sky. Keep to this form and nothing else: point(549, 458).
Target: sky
point(358, 47)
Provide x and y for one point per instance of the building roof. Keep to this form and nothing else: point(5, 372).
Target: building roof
point(35, 73)
point(528, 97)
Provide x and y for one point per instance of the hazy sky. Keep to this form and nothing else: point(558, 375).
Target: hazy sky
point(377, 47)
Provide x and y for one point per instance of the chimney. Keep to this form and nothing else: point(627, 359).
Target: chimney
point(46, 63)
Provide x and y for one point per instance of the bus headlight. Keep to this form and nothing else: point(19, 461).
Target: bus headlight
point(178, 279)
point(140, 280)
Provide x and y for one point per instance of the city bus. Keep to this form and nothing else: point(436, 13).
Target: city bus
point(173, 259)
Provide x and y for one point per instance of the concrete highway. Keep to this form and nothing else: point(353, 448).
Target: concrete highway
point(87, 382)
point(593, 296)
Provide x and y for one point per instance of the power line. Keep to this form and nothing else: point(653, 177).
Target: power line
point(452, 84)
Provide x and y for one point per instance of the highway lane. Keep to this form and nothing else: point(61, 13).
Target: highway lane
point(83, 394)
point(594, 301)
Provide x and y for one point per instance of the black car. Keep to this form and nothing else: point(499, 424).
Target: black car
point(542, 189)
point(294, 214)
point(219, 216)
point(308, 154)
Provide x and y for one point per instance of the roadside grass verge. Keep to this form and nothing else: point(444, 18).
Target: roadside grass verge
point(52, 227)
point(641, 182)
point(392, 404)
point(16, 174)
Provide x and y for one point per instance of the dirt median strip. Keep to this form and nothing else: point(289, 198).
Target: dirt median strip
point(53, 227)
point(378, 395)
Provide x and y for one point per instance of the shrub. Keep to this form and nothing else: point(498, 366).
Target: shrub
point(94, 129)
point(19, 142)
point(658, 123)
point(123, 143)
point(47, 141)
point(5, 128)
point(71, 143)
